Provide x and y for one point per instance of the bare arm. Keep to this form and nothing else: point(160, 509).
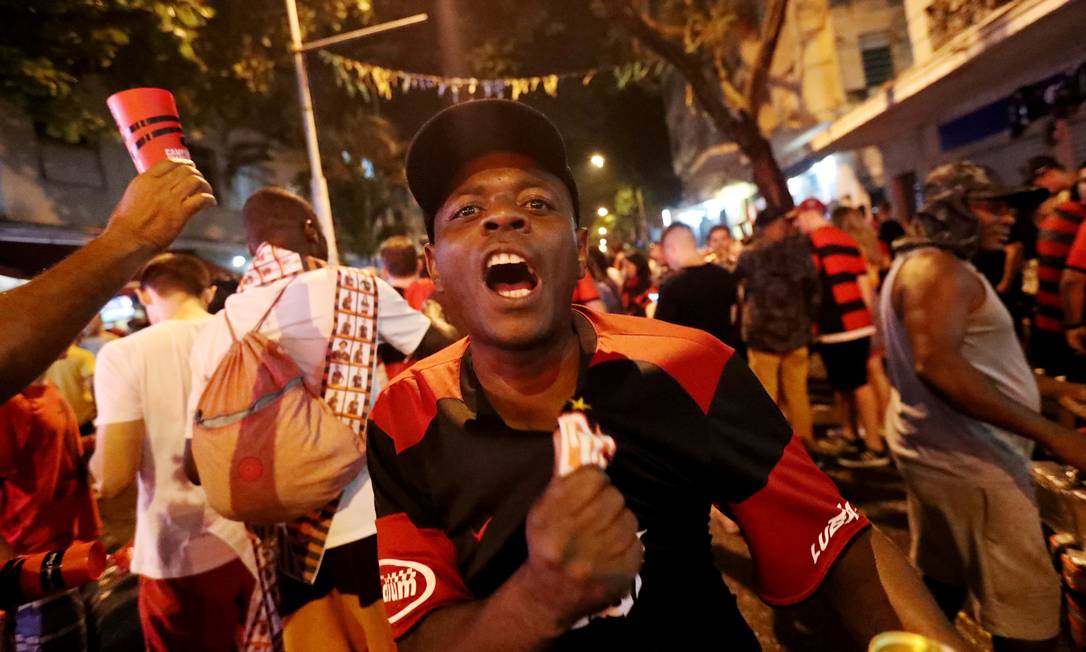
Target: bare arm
point(117, 456)
point(867, 290)
point(1073, 291)
point(1012, 264)
point(934, 294)
point(583, 553)
point(513, 618)
point(41, 318)
point(875, 574)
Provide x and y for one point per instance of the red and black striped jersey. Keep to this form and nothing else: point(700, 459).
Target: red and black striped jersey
point(1057, 233)
point(693, 427)
point(1076, 258)
point(839, 263)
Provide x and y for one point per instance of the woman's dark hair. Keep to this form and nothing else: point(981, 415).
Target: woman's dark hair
point(597, 269)
point(644, 273)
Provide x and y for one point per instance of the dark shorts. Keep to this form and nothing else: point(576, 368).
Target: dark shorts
point(1052, 353)
point(846, 363)
point(350, 569)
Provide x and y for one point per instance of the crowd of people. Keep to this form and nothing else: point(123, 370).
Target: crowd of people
point(449, 524)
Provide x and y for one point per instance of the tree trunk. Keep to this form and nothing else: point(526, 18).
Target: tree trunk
point(764, 169)
point(741, 127)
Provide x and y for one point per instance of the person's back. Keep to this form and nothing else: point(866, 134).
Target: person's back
point(45, 500)
point(147, 376)
point(700, 297)
point(780, 294)
point(194, 584)
point(840, 262)
point(45, 504)
point(924, 429)
point(330, 321)
point(1057, 233)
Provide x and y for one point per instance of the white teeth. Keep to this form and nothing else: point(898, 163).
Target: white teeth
point(515, 294)
point(504, 259)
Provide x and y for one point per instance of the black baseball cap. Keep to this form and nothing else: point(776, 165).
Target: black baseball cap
point(1038, 165)
point(466, 131)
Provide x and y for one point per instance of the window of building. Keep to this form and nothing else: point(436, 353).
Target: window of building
point(877, 57)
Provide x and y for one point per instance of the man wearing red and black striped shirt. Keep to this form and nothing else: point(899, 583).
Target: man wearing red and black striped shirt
point(483, 546)
point(1073, 285)
point(845, 328)
point(1057, 232)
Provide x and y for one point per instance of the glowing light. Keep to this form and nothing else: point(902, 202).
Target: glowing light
point(238, 262)
point(603, 230)
point(603, 242)
point(603, 248)
point(597, 160)
point(602, 211)
point(666, 216)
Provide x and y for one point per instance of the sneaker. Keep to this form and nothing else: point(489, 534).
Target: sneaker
point(863, 459)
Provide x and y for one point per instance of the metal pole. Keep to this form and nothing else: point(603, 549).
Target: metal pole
point(319, 186)
point(365, 31)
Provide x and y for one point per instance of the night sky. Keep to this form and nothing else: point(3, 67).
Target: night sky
point(626, 126)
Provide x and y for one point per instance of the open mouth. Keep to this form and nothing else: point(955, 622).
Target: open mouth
point(510, 276)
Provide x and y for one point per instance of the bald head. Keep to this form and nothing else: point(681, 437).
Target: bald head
point(680, 247)
point(279, 217)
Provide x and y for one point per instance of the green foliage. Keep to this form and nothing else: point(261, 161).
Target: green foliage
point(226, 61)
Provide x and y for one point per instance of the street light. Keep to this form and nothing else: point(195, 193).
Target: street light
point(603, 230)
point(602, 211)
point(597, 160)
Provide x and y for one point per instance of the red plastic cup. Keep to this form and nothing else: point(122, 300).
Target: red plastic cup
point(57, 570)
point(148, 121)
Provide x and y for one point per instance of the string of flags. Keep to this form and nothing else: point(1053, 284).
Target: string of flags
point(369, 80)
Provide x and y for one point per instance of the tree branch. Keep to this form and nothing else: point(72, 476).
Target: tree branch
point(690, 66)
point(757, 88)
point(673, 31)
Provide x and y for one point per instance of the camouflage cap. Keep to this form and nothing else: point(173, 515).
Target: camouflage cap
point(967, 180)
point(946, 219)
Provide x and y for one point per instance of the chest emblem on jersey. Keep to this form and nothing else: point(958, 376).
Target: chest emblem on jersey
point(481, 532)
point(404, 586)
point(579, 405)
point(844, 517)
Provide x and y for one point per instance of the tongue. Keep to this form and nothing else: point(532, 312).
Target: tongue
point(507, 287)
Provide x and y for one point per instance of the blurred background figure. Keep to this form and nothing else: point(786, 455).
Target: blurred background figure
point(46, 504)
point(721, 247)
point(73, 375)
point(638, 288)
point(781, 295)
point(845, 329)
point(194, 589)
point(95, 335)
point(698, 294)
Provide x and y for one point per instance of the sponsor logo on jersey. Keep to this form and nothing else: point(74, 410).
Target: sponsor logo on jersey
point(844, 517)
point(404, 586)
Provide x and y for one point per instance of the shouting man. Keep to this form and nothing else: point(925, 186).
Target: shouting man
point(483, 546)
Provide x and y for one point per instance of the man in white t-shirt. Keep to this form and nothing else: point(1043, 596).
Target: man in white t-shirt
point(194, 589)
point(342, 609)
